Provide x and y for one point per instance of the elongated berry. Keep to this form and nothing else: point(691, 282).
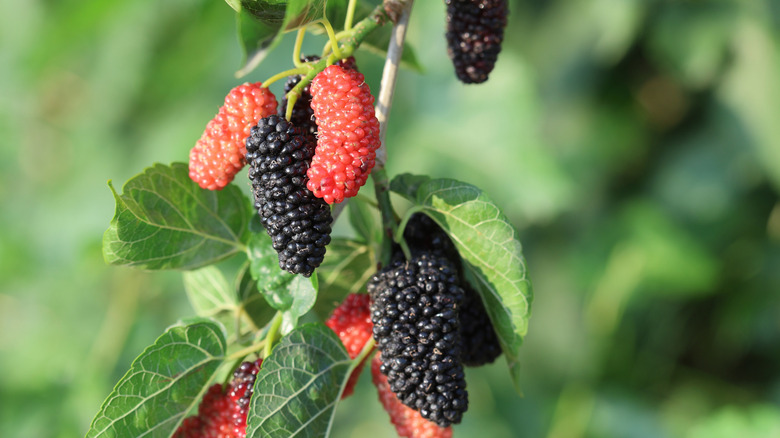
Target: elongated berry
point(298, 223)
point(415, 306)
point(220, 152)
point(348, 134)
point(475, 31)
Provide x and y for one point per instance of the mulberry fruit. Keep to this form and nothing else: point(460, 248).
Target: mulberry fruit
point(347, 134)
point(352, 323)
point(414, 309)
point(408, 422)
point(302, 114)
point(475, 31)
point(299, 224)
point(480, 343)
point(220, 152)
point(223, 413)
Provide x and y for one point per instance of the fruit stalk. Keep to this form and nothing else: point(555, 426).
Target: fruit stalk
point(376, 18)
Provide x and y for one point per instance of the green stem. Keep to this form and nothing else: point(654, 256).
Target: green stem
point(284, 74)
point(297, 50)
point(389, 225)
point(271, 336)
point(375, 19)
point(332, 37)
point(244, 351)
point(350, 14)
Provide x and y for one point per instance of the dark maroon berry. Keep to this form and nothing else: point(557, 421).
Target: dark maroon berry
point(299, 223)
point(475, 31)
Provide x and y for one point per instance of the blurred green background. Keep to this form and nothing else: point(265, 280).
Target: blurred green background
point(634, 143)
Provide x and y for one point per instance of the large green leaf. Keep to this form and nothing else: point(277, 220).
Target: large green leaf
point(489, 246)
point(163, 384)
point(295, 294)
point(347, 267)
point(163, 220)
point(299, 385)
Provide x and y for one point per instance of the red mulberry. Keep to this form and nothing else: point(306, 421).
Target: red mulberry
point(220, 152)
point(475, 31)
point(352, 323)
point(348, 134)
point(222, 414)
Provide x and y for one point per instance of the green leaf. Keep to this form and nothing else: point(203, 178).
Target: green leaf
point(489, 246)
point(299, 385)
point(163, 384)
point(255, 38)
point(271, 12)
point(262, 23)
point(347, 267)
point(252, 300)
point(209, 292)
point(407, 184)
point(163, 220)
point(365, 220)
point(283, 290)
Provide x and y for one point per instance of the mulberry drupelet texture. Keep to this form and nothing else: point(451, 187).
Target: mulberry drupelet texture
point(408, 422)
point(223, 414)
point(480, 343)
point(414, 309)
point(347, 134)
point(475, 31)
point(220, 152)
point(351, 321)
point(299, 224)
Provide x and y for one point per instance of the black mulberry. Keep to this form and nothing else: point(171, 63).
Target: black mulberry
point(414, 309)
point(475, 31)
point(479, 340)
point(299, 223)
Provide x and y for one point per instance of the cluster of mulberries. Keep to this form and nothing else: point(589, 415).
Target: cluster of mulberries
point(408, 422)
point(415, 307)
point(299, 223)
point(480, 343)
point(223, 413)
point(351, 321)
point(347, 134)
point(220, 153)
point(475, 31)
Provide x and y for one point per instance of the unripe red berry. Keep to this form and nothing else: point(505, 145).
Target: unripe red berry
point(220, 152)
point(348, 134)
point(352, 323)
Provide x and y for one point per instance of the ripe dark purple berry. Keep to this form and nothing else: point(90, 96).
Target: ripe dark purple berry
point(414, 309)
point(475, 31)
point(299, 224)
